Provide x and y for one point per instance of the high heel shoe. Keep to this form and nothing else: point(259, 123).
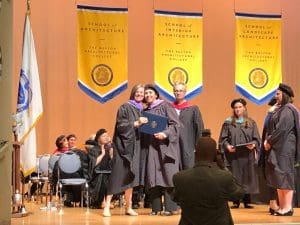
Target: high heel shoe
point(288, 213)
point(235, 206)
point(273, 211)
point(131, 212)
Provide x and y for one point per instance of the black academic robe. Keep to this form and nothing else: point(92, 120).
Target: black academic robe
point(126, 164)
point(191, 127)
point(283, 134)
point(98, 175)
point(242, 162)
point(163, 156)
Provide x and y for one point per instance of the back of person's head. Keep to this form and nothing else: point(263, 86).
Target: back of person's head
point(206, 147)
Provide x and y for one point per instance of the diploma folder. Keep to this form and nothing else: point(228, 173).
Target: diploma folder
point(242, 146)
point(156, 123)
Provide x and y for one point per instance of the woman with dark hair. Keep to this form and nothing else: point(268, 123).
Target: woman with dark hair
point(163, 154)
point(126, 164)
point(282, 146)
point(61, 144)
point(99, 168)
point(239, 142)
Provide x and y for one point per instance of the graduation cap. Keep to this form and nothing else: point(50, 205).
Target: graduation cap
point(286, 89)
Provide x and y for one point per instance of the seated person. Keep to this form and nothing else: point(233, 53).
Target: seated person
point(73, 192)
point(72, 139)
point(62, 144)
point(99, 167)
point(208, 205)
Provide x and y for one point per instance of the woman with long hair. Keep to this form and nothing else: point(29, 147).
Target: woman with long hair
point(126, 163)
point(239, 142)
point(282, 146)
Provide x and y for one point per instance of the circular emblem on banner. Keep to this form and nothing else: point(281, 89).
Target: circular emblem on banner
point(178, 74)
point(258, 78)
point(102, 74)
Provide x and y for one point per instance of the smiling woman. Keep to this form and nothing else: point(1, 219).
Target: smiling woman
point(237, 130)
point(162, 153)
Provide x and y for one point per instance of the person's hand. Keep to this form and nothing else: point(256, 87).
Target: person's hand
point(160, 136)
point(230, 148)
point(142, 120)
point(251, 146)
point(267, 145)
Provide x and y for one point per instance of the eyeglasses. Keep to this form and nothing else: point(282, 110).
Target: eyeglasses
point(175, 91)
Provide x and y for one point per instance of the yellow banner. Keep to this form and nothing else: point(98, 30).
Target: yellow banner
point(257, 56)
point(178, 51)
point(102, 51)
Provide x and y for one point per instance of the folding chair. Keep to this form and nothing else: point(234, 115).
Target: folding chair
point(69, 163)
point(41, 176)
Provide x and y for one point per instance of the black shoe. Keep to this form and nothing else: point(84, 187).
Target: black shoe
point(235, 206)
point(68, 204)
point(272, 211)
point(288, 213)
point(246, 206)
point(153, 213)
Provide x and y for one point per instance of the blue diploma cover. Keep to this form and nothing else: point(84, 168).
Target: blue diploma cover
point(156, 123)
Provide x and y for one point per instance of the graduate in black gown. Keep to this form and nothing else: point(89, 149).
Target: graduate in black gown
point(127, 164)
point(162, 154)
point(99, 168)
point(282, 147)
point(191, 125)
point(241, 161)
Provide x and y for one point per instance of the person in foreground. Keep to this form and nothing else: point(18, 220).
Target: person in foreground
point(215, 187)
point(282, 146)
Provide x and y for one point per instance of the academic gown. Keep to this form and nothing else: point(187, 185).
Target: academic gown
point(283, 134)
point(98, 175)
point(127, 170)
point(191, 127)
point(241, 163)
point(162, 155)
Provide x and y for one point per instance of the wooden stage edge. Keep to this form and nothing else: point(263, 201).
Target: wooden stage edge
point(72, 216)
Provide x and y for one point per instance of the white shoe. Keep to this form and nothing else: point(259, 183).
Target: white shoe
point(131, 212)
point(106, 212)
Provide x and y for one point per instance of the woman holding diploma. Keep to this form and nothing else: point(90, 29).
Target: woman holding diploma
point(162, 150)
point(126, 163)
point(239, 142)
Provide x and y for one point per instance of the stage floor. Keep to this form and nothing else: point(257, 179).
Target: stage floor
point(77, 215)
